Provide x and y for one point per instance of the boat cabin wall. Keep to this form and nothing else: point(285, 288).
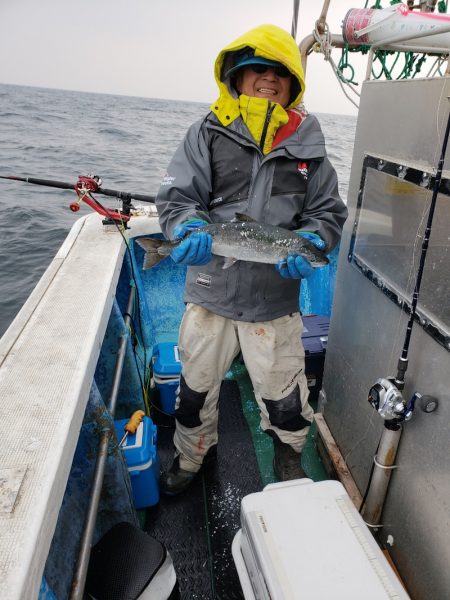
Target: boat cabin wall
point(399, 138)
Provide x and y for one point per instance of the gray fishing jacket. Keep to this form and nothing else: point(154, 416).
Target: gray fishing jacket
point(218, 171)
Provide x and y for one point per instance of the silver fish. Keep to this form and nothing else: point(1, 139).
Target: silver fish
point(242, 239)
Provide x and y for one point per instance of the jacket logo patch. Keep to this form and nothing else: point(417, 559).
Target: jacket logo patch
point(167, 180)
point(302, 168)
point(203, 280)
point(218, 200)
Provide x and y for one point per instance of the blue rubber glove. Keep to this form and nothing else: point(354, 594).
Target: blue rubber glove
point(196, 248)
point(184, 228)
point(314, 238)
point(295, 266)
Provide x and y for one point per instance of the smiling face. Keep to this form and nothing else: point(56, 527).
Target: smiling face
point(264, 85)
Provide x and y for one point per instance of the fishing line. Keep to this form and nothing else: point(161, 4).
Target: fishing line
point(410, 283)
point(362, 438)
point(397, 336)
point(364, 498)
point(135, 342)
point(403, 362)
point(145, 384)
point(133, 277)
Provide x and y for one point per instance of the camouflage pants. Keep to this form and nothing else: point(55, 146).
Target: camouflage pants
point(274, 357)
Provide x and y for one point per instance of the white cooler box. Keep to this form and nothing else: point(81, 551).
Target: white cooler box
point(306, 540)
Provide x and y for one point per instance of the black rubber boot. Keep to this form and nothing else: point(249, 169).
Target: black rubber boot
point(286, 462)
point(176, 480)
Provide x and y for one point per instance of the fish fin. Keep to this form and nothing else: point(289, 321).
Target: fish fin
point(148, 243)
point(151, 256)
point(229, 262)
point(242, 218)
point(151, 259)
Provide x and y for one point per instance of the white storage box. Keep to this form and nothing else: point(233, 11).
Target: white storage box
point(305, 540)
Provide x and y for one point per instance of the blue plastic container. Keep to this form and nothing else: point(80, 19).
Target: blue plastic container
point(315, 333)
point(142, 461)
point(315, 338)
point(166, 374)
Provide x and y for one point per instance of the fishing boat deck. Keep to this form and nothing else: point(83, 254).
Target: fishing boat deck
point(47, 362)
point(198, 527)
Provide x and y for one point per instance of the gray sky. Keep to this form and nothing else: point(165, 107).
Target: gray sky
point(155, 49)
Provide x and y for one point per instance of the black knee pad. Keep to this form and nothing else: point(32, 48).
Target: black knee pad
point(190, 405)
point(286, 412)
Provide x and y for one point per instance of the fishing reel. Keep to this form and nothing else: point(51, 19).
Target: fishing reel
point(86, 185)
point(388, 401)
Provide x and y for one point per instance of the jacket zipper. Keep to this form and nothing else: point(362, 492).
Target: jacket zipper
point(269, 112)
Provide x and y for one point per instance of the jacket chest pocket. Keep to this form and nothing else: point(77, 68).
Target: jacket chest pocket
point(289, 186)
point(231, 165)
point(290, 176)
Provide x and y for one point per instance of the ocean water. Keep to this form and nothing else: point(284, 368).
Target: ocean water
point(127, 141)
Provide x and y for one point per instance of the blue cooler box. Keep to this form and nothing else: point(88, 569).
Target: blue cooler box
point(166, 374)
point(315, 338)
point(142, 461)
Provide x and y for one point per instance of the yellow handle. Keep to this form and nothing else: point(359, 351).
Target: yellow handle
point(134, 421)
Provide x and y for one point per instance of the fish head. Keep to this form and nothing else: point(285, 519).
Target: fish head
point(313, 255)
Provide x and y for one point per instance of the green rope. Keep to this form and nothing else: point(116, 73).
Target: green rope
point(419, 63)
point(412, 64)
point(380, 57)
point(343, 65)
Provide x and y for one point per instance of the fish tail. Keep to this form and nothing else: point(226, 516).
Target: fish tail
point(153, 254)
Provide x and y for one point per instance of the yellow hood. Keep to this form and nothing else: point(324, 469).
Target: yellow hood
point(268, 41)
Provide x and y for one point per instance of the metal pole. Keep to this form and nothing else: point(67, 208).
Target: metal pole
point(306, 45)
point(382, 471)
point(295, 19)
point(323, 17)
point(79, 578)
point(369, 64)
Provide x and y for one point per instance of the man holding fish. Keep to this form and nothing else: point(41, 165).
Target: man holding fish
point(251, 169)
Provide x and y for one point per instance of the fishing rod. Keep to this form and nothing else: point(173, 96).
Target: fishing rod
point(386, 394)
point(389, 400)
point(85, 187)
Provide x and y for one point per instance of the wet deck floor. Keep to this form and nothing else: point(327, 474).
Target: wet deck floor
point(198, 527)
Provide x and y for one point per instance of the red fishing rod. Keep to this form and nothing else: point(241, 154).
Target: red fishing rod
point(85, 187)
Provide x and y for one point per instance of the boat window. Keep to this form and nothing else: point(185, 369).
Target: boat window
point(392, 213)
